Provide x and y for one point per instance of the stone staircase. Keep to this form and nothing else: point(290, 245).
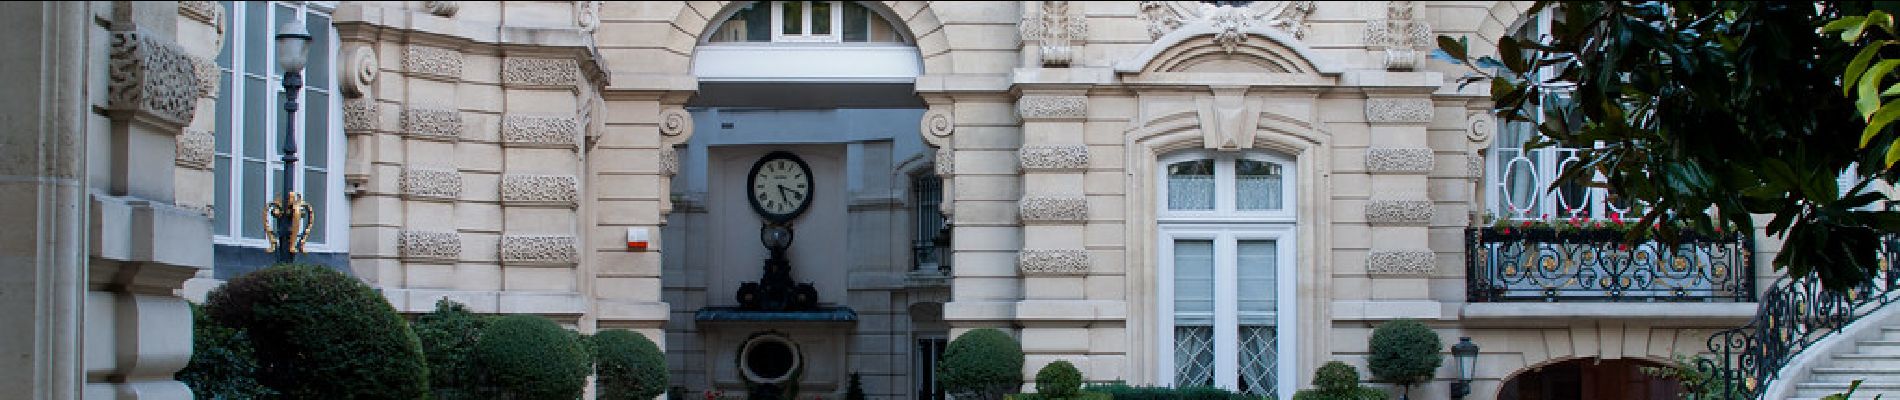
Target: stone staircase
point(1873, 358)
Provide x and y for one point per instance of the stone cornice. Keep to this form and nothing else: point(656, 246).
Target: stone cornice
point(362, 22)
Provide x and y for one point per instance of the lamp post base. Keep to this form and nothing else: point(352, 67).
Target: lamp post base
point(1460, 389)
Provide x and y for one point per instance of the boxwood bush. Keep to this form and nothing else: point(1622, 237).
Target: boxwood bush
point(448, 337)
point(528, 357)
point(1058, 380)
point(223, 363)
point(1404, 352)
point(1124, 392)
point(321, 334)
point(981, 364)
point(628, 365)
point(1338, 381)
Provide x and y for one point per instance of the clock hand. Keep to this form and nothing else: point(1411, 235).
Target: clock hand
point(785, 194)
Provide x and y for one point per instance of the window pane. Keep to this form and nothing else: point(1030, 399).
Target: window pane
point(1256, 263)
point(881, 31)
point(224, 52)
point(821, 18)
point(317, 74)
point(1191, 185)
point(285, 14)
point(1193, 356)
point(1257, 355)
point(316, 132)
point(1193, 282)
point(222, 127)
point(1256, 185)
point(255, 196)
point(258, 98)
point(221, 199)
point(256, 28)
point(792, 17)
point(316, 190)
point(856, 22)
point(752, 23)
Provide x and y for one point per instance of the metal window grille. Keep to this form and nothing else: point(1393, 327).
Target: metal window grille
point(931, 241)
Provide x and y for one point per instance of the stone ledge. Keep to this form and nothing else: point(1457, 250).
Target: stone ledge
point(1069, 310)
point(1724, 313)
point(1384, 310)
point(143, 231)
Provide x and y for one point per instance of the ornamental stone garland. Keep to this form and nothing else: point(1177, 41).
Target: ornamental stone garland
point(1048, 209)
point(431, 184)
point(424, 246)
point(1401, 262)
point(524, 189)
point(151, 76)
point(1053, 262)
point(1054, 157)
point(1399, 212)
point(538, 250)
point(1399, 160)
point(539, 131)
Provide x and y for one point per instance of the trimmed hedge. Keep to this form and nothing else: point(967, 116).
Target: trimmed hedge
point(629, 366)
point(1404, 352)
point(982, 364)
point(1338, 381)
point(448, 337)
point(1124, 392)
point(1058, 379)
point(321, 334)
point(528, 357)
point(223, 363)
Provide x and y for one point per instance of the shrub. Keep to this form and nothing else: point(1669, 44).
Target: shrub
point(448, 336)
point(1338, 381)
point(527, 357)
point(223, 363)
point(1404, 352)
point(1058, 380)
point(321, 334)
point(1124, 392)
point(856, 390)
point(628, 365)
point(981, 364)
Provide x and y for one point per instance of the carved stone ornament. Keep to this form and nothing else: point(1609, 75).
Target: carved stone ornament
point(1164, 17)
point(1401, 262)
point(208, 77)
point(543, 190)
point(1399, 35)
point(208, 12)
point(1057, 30)
point(430, 123)
point(151, 77)
point(1046, 107)
point(1053, 210)
point(360, 116)
point(540, 72)
point(587, 15)
point(196, 148)
point(538, 250)
point(1474, 165)
point(425, 246)
point(359, 71)
point(442, 8)
point(535, 131)
point(1052, 262)
point(1399, 212)
point(676, 122)
point(1408, 160)
point(1229, 119)
point(1479, 127)
point(1415, 111)
point(432, 62)
point(1054, 157)
point(431, 184)
point(937, 126)
point(946, 162)
point(669, 161)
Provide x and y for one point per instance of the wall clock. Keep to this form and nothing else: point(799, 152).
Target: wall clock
point(779, 186)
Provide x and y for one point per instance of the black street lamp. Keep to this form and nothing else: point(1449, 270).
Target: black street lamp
point(1465, 353)
point(292, 216)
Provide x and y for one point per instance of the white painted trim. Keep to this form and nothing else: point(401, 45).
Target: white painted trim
point(855, 63)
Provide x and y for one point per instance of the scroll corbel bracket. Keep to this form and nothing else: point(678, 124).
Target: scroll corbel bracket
point(1229, 119)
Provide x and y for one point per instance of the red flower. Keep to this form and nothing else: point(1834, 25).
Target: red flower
point(1618, 219)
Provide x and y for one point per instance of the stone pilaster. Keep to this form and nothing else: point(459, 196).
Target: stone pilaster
point(1399, 209)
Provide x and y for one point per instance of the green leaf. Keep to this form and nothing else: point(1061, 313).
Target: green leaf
point(1512, 53)
point(1842, 24)
point(1893, 154)
point(1859, 66)
point(1886, 114)
point(1880, 19)
point(1868, 99)
point(1453, 47)
point(1892, 90)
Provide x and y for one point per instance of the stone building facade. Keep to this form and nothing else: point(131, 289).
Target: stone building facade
point(1161, 192)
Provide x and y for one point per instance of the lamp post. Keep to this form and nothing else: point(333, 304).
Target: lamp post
point(1466, 355)
point(293, 42)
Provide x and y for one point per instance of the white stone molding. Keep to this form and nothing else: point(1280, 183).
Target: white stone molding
point(538, 250)
point(1399, 212)
point(1399, 35)
point(1052, 262)
point(437, 62)
point(1057, 31)
point(1478, 128)
point(1409, 160)
point(442, 8)
point(1415, 111)
point(1054, 157)
point(431, 184)
point(540, 190)
point(539, 131)
point(540, 72)
point(1053, 210)
point(937, 126)
point(151, 77)
point(359, 71)
point(360, 116)
point(1163, 17)
point(196, 148)
point(587, 16)
point(429, 246)
point(1401, 263)
point(432, 123)
point(1052, 107)
point(676, 122)
point(208, 77)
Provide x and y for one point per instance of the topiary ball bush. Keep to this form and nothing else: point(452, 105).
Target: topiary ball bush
point(981, 364)
point(223, 363)
point(1336, 376)
point(528, 357)
point(1058, 380)
point(1404, 352)
point(321, 334)
point(628, 365)
point(448, 337)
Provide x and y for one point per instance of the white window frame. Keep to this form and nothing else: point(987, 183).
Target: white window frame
point(333, 215)
point(805, 14)
point(1226, 227)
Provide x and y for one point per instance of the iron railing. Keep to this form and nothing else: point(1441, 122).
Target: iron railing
point(1600, 265)
point(1794, 315)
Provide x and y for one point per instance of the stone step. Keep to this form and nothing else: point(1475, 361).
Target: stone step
point(1869, 390)
point(1865, 361)
point(1877, 347)
point(1889, 374)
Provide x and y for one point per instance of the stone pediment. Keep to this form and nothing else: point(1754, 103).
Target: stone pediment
point(1202, 38)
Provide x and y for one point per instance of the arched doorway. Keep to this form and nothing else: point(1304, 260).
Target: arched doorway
point(1589, 379)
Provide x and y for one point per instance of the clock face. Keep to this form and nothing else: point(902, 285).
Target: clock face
point(780, 186)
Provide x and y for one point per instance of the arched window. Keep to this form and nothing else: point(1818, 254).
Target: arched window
point(806, 42)
point(1225, 224)
point(806, 22)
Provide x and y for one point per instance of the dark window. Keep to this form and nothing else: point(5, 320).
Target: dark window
point(930, 247)
point(929, 352)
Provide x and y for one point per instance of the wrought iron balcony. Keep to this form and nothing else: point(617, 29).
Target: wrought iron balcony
point(1599, 265)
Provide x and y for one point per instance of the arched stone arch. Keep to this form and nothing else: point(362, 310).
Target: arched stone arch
point(1212, 42)
point(1504, 17)
point(916, 18)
